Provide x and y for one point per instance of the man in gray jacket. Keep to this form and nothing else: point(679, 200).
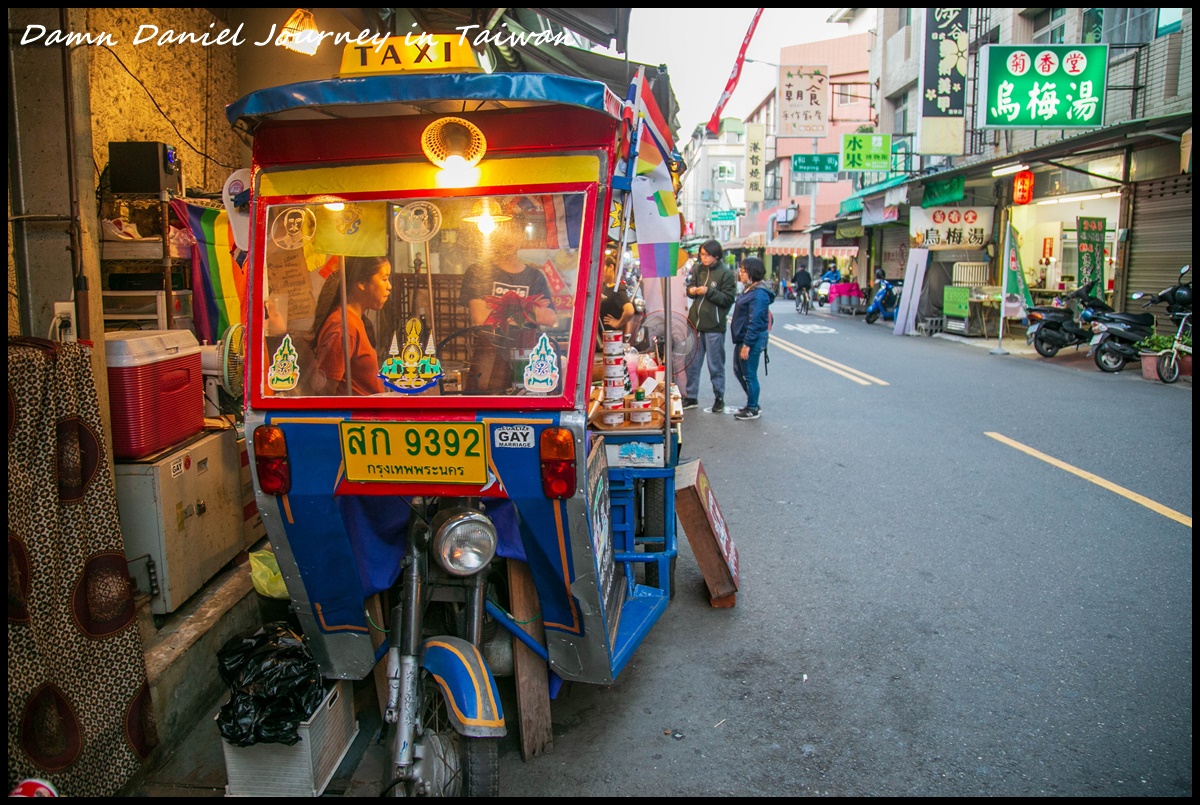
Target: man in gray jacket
point(712, 290)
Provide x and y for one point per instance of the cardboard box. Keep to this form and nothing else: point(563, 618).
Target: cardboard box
point(707, 533)
point(303, 769)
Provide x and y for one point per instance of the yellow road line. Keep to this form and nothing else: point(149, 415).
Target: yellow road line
point(1096, 479)
point(862, 378)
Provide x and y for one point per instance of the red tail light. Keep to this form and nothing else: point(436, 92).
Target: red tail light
point(271, 461)
point(556, 449)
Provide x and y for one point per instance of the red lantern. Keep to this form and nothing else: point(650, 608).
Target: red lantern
point(1022, 187)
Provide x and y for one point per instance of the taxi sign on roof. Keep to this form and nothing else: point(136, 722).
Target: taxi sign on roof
point(413, 53)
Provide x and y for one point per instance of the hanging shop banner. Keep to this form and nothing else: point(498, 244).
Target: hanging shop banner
point(756, 154)
point(1042, 86)
point(950, 227)
point(866, 152)
point(803, 102)
point(877, 211)
point(1089, 234)
point(942, 90)
point(1017, 299)
point(945, 192)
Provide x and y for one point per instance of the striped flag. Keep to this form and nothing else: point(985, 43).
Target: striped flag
point(652, 192)
point(714, 125)
point(218, 278)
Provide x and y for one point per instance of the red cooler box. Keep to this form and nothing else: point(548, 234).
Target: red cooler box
point(155, 389)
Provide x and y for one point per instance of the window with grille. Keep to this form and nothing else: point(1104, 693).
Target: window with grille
point(1049, 27)
point(771, 183)
point(900, 114)
point(1129, 26)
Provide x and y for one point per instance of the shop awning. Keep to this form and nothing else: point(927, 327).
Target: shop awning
point(797, 243)
point(853, 202)
point(1092, 143)
point(756, 240)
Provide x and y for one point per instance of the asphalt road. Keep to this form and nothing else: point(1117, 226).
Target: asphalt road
point(924, 609)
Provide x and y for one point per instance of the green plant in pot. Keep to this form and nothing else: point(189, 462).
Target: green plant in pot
point(1155, 343)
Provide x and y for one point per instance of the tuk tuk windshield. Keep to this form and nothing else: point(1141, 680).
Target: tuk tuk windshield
point(420, 296)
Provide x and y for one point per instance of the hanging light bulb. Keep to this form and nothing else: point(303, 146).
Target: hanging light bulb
point(300, 33)
point(485, 214)
point(456, 146)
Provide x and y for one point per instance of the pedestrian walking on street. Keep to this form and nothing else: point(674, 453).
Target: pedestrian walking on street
point(711, 289)
point(750, 328)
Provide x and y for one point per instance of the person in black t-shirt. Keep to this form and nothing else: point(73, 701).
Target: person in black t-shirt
point(616, 310)
point(499, 273)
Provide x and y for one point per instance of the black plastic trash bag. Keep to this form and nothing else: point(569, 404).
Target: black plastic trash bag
point(275, 685)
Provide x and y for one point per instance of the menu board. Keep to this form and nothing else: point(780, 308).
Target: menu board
point(707, 532)
point(610, 585)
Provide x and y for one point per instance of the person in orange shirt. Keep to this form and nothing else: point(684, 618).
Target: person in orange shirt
point(368, 285)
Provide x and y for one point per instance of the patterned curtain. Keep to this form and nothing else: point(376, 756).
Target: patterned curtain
point(79, 709)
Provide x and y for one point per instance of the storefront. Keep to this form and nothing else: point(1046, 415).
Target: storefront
point(791, 250)
point(1139, 232)
point(1161, 241)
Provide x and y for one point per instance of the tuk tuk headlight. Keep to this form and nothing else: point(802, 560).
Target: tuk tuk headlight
point(465, 543)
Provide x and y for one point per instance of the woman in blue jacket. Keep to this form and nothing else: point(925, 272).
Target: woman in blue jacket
point(750, 327)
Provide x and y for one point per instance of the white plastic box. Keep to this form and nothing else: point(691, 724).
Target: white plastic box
point(303, 769)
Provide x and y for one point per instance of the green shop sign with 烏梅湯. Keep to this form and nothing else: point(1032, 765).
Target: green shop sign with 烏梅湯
point(1043, 86)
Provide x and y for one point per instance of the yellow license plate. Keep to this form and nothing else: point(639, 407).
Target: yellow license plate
point(421, 453)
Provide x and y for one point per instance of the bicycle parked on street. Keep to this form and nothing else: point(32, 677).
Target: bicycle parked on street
point(1168, 360)
point(1179, 301)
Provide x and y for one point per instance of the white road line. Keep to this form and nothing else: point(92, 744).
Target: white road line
point(862, 378)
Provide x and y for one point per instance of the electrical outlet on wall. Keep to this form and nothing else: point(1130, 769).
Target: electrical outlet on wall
point(64, 311)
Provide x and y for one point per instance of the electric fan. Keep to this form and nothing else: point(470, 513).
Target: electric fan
point(223, 366)
point(651, 337)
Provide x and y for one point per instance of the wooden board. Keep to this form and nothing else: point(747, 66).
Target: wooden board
point(707, 533)
point(374, 606)
point(529, 670)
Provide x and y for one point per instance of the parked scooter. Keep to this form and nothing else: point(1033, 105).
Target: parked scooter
point(1178, 299)
point(886, 300)
point(1053, 327)
point(825, 284)
point(1116, 337)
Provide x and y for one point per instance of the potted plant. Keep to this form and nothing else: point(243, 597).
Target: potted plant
point(1149, 349)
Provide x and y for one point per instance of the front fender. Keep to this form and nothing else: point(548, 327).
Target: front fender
point(472, 701)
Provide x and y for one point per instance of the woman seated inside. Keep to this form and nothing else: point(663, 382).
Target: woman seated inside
point(368, 285)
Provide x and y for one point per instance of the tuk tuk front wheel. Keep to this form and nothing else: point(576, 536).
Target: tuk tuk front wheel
point(448, 764)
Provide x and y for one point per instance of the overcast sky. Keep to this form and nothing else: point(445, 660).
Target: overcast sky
point(699, 47)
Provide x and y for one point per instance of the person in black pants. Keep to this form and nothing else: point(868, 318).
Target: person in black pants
point(750, 327)
point(801, 284)
point(711, 289)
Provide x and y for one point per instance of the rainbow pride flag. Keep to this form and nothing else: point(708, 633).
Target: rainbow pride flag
point(218, 275)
